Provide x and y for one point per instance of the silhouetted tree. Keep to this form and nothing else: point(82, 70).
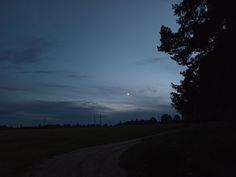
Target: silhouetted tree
point(166, 118)
point(176, 118)
point(203, 44)
point(152, 120)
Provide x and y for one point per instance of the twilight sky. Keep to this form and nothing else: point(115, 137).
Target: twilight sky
point(63, 61)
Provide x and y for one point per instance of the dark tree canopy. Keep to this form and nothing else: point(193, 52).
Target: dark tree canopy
point(166, 118)
point(204, 43)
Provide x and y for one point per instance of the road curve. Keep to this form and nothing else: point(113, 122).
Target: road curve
point(96, 161)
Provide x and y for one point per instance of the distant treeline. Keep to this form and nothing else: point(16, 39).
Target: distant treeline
point(165, 118)
point(52, 126)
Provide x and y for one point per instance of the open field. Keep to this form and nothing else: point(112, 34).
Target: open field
point(21, 148)
point(206, 150)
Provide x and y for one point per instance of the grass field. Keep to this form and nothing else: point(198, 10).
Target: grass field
point(203, 150)
point(21, 148)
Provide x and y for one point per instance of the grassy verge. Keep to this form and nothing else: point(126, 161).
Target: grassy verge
point(20, 149)
point(204, 150)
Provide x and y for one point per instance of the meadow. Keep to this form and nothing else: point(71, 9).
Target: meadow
point(22, 148)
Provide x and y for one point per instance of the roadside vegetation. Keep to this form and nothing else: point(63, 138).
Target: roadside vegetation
point(206, 150)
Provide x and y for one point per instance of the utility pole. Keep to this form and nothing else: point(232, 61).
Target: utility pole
point(94, 119)
point(100, 116)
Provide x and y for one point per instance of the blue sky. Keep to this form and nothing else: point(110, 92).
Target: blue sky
point(63, 61)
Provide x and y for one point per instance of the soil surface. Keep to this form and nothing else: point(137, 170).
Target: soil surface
point(96, 161)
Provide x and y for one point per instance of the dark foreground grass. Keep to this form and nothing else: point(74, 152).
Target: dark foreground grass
point(203, 150)
point(21, 148)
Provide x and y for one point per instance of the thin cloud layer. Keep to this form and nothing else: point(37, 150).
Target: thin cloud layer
point(61, 86)
point(151, 60)
point(32, 52)
point(82, 112)
point(55, 111)
point(14, 89)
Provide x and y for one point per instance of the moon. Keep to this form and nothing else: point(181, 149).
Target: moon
point(127, 94)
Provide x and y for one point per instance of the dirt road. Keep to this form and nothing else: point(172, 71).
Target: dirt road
point(97, 161)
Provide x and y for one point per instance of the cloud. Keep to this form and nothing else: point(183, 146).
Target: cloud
point(141, 103)
point(63, 86)
point(37, 72)
point(147, 99)
point(151, 60)
point(70, 75)
point(75, 76)
point(31, 52)
point(81, 111)
point(112, 90)
point(14, 89)
point(148, 91)
point(54, 111)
